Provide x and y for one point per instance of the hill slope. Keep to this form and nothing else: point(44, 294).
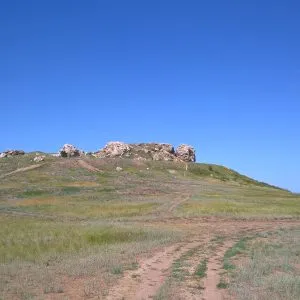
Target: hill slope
point(93, 228)
point(85, 186)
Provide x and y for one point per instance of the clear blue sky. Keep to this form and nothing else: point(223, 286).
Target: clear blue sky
point(223, 76)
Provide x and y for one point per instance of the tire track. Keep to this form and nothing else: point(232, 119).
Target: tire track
point(143, 283)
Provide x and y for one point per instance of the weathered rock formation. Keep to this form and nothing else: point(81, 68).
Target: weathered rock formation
point(142, 151)
point(69, 151)
point(114, 149)
point(39, 158)
point(185, 153)
point(9, 153)
point(147, 151)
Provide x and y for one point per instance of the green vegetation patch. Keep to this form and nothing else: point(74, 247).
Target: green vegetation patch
point(224, 174)
point(201, 269)
point(249, 207)
point(222, 285)
point(178, 267)
point(70, 190)
point(29, 239)
point(83, 207)
point(238, 248)
point(33, 193)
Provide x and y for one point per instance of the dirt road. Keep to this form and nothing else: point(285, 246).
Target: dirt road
point(145, 282)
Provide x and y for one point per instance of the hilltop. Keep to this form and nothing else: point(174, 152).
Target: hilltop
point(99, 162)
point(146, 152)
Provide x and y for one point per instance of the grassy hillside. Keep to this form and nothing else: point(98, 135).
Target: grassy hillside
point(83, 218)
point(64, 187)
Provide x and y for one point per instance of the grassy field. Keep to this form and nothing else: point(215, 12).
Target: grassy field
point(63, 225)
point(253, 206)
point(32, 239)
point(34, 251)
point(265, 266)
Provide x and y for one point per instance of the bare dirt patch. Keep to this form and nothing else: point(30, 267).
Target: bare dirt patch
point(214, 267)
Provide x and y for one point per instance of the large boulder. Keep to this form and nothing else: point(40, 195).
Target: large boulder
point(185, 153)
point(39, 158)
point(113, 149)
point(162, 152)
point(9, 153)
point(155, 147)
point(69, 150)
point(152, 151)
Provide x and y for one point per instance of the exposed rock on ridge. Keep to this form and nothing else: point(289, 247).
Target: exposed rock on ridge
point(69, 151)
point(114, 149)
point(9, 153)
point(141, 151)
point(147, 151)
point(186, 153)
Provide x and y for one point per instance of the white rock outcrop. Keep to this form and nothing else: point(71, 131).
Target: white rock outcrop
point(39, 158)
point(113, 149)
point(186, 153)
point(147, 151)
point(9, 153)
point(69, 150)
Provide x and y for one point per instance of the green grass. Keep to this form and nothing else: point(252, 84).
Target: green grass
point(67, 169)
point(69, 207)
point(30, 239)
point(177, 269)
point(117, 270)
point(224, 174)
point(222, 285)
point(70, 190)
point(59, 178)
point(242, 207)
point(62, 221)
point(38, 255)
point(237, 248)
point(270, 269)
point(10, 164)
point(201, 269)
point(178, 266)
point(32, 193)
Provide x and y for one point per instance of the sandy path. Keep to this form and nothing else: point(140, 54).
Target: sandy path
point(214, 267)
point(85, 165)
point(22, 170)
point(144, 282)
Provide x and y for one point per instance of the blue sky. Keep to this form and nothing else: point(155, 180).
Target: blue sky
point(223, 76)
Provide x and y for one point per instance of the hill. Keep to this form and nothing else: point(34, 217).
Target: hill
point(73, 227)
point(76, 179)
